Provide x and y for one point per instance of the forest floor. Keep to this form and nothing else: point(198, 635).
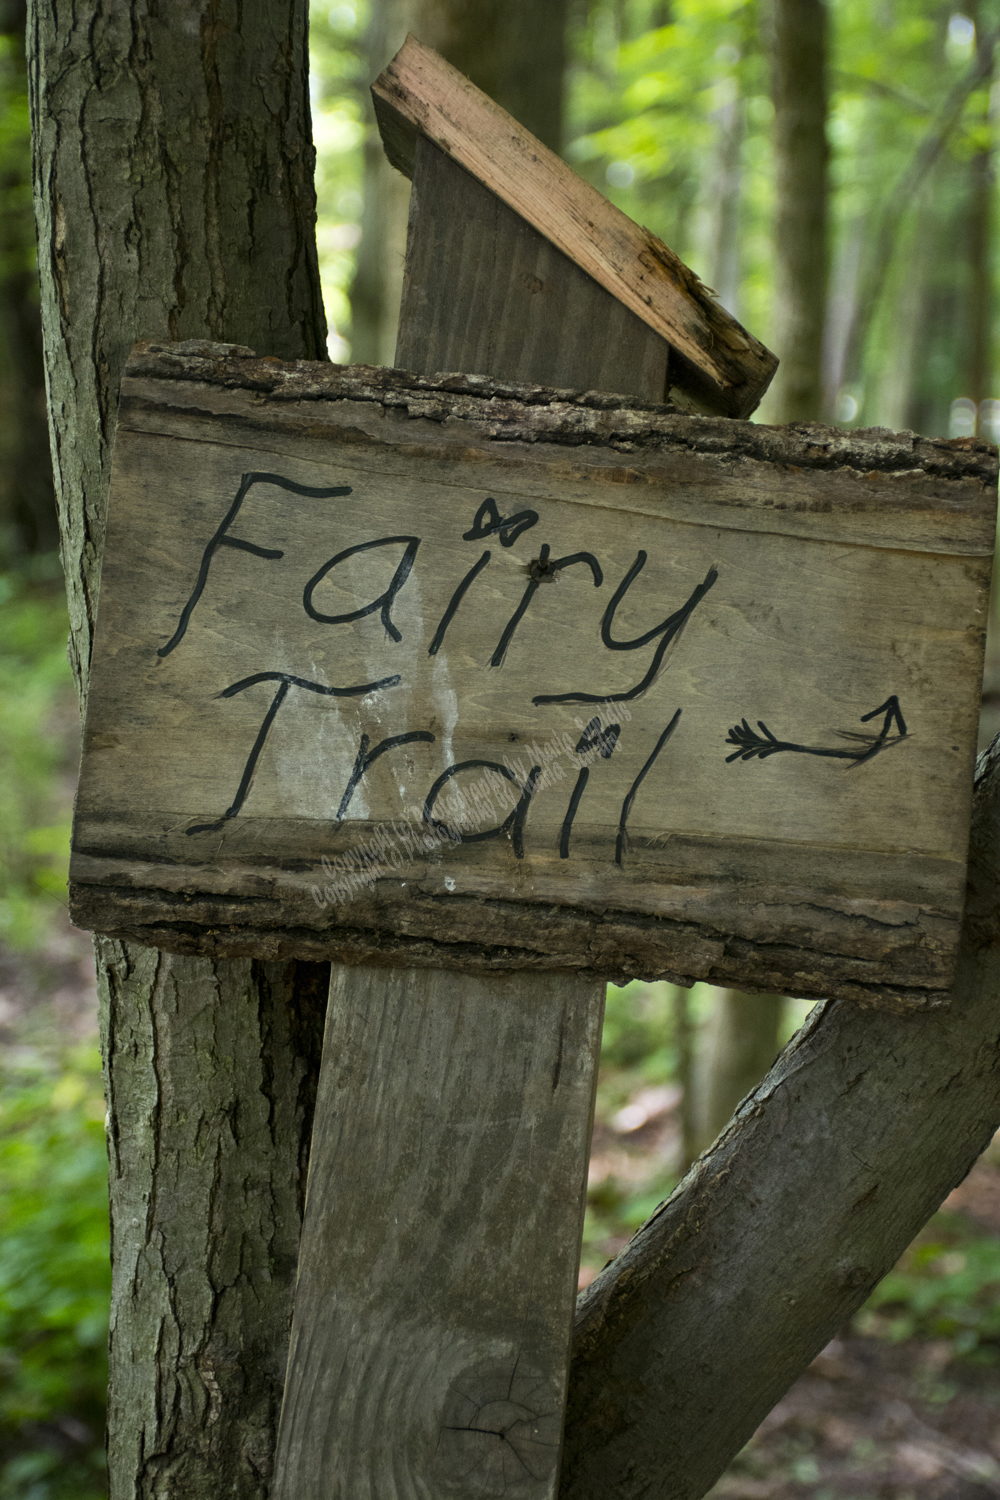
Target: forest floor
point(875, 1420)
point(871, 1419)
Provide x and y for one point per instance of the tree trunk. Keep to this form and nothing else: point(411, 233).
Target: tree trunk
point(174, 199)
point(863, 1126)
point(739, 1045)
point(881, 242)
point(799, 90)
point(512, 49)
point(725, 265)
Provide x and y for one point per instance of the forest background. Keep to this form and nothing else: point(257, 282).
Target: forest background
point(669, 107)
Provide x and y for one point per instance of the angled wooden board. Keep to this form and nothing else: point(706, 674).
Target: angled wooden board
point(420, 96)
point(520, 309)
point(706, 710)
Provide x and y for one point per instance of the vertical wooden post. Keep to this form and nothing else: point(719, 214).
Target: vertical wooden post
point(447, 1180)
point(437, 1275)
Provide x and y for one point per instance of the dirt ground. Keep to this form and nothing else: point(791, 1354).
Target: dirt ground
point(876, 1421)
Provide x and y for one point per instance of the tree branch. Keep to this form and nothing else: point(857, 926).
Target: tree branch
point(779, 1232)
point(880, 256)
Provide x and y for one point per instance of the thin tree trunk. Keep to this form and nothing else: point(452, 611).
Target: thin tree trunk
point(512, 49)
point(739, 1044)
point(889, 390)
point(174, 199)
point(28, 522)
point(938, 300)
point(799, 89)
point(741, 1039)
point(840, 299)
point(778, 1234)
point(378, 276)
point(683, 1071)
point(725, 260)
point(881, 243)
point(979, 368)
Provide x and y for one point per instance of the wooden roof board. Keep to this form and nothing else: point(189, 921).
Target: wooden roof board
point(420, 93)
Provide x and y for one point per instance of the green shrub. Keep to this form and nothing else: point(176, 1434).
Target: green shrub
point(35, 699)
point(54, 1282)
point(638, 1030)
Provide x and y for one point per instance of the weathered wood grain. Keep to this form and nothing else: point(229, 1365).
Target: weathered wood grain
point(419, 94)
point(850, 567)
point(437, 1274)
point(779, 1232)
point(471, 1390)
point(519, 309)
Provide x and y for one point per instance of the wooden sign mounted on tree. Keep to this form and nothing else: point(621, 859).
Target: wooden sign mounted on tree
point(442, 671)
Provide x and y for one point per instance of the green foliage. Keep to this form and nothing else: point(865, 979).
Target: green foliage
point(54, 1282)
point(35, 690)
point(54, 1267)
point(648, 106)
point(338, 111)
point(637, 1041)
point(629, 1177)
point(946, 1286)
point(17, 230)
point(669, 113)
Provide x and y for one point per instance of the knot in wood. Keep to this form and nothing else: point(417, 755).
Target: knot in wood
point(500, 1432)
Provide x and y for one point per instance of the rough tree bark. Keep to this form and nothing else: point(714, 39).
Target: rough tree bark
point(514, 50)
point(686, 1341)
point(174, 198)
point(799, 91)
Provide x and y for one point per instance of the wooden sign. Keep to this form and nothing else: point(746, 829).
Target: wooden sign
point(438, 671)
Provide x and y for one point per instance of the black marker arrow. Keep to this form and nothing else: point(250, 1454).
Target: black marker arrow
point(750, 745)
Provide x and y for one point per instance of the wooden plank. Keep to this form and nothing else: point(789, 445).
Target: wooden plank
point(437, 1275)
point(419, 94)
point(520, 309)
point(796, 873)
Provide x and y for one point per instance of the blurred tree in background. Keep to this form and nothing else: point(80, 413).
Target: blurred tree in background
point(513, 49)
point(27, 504)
